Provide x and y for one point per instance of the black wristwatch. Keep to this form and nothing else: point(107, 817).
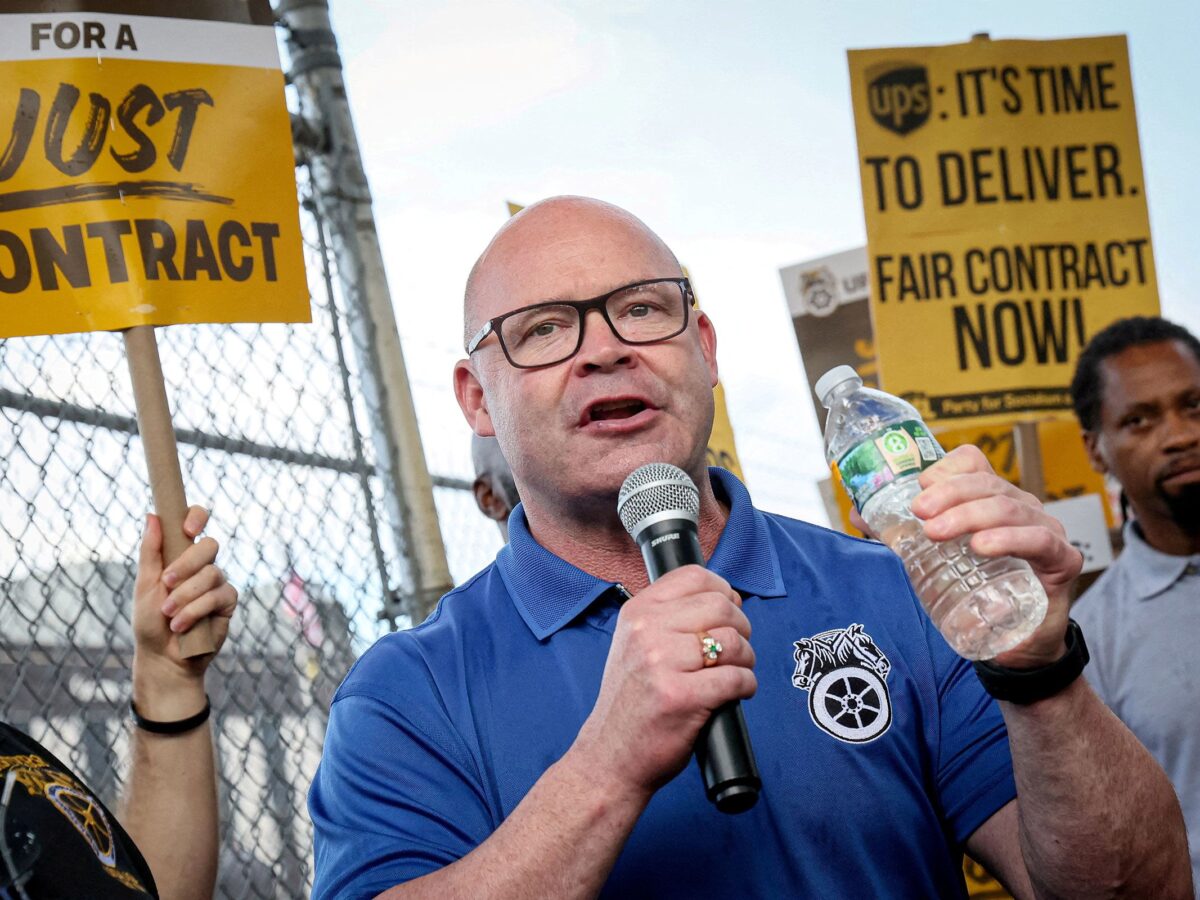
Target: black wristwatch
point(1026, 686)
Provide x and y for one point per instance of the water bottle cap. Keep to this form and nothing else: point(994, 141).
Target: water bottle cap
point(831, 379)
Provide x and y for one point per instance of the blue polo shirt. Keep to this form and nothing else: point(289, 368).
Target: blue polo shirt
point(879, 751)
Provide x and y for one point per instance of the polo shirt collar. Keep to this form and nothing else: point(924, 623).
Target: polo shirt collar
point(550, 592)
point(745, 554)
point(1153, 571)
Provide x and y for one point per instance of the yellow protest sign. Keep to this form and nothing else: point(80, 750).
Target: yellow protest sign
point(722, 451)
point(997, 442)
point(1006, 217)
point(148, 176)
point(1066, 468)
point(842, 500)
point(1066, 472)
point(981, 885)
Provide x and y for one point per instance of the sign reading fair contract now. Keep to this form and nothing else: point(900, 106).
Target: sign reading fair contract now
point(1006, 217)
point(146, 176)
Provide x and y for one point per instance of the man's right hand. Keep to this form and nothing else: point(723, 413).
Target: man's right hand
point(657, 692)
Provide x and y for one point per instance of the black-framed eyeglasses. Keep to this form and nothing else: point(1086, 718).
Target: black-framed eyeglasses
point(546, 334)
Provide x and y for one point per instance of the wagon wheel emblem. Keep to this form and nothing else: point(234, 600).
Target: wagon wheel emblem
point(88, 818)
point(851, 703)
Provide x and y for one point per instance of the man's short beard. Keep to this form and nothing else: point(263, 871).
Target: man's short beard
point(1184, 506)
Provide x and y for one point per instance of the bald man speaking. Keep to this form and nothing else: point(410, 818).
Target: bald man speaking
point(532, 738)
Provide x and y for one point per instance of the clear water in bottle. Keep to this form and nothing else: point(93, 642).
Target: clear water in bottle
point(879, 445)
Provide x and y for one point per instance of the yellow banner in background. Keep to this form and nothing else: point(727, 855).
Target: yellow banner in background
point(842, 500)
point(1066, 468)
point(997, 442)
point(722, 451)
point(1006, 217)
point(139, 191)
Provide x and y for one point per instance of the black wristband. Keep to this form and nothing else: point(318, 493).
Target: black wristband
point(1025, 686)
point(177, 727)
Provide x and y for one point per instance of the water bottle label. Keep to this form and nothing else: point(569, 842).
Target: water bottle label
point(888, 454)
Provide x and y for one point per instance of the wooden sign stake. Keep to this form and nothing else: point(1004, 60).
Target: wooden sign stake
point(162, 463)
point(1029, 458)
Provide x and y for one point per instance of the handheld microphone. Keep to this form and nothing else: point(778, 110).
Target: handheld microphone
point(660, 508)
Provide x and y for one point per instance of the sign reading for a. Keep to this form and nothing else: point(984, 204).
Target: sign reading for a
point(1006, 217)
point(147, 175)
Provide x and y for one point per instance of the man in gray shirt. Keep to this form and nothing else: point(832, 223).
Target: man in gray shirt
point(1136, 391)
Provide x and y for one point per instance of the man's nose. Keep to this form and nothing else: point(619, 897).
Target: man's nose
point(1183, 430)
point(601, 348)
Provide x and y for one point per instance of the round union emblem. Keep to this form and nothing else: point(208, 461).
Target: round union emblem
point(851, 703)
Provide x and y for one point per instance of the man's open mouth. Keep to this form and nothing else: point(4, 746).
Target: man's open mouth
point(614, 409)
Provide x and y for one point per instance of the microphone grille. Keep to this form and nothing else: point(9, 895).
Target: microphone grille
point(653, 489)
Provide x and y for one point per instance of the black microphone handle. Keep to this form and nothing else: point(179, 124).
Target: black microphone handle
point(669, 545)
point(723, 750)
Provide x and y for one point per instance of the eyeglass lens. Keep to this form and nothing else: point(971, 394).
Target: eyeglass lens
point(639, 314)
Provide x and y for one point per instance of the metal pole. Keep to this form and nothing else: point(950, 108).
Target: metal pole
point(344, 199)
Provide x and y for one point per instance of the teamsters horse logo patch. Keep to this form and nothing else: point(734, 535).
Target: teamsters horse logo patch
point(845, 674)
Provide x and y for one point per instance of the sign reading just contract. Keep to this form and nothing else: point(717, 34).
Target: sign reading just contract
point(147, 174)
point(1006, 217)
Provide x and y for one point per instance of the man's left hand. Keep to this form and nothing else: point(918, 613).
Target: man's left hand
point(168, 600)
point(962, 494)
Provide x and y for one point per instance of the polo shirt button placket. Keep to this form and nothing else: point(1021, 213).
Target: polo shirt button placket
point(606, 613)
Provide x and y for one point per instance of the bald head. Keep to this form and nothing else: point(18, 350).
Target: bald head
point(552, 422)
point(553, 249)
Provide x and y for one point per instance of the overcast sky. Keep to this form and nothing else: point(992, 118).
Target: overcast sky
point(726, 127)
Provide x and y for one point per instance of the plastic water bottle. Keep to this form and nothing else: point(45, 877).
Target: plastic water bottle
point(879, 445)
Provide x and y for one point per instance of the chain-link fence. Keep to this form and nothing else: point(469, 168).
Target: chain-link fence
point(275, 438)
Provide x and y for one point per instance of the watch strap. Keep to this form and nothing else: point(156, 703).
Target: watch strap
point(1025, 686)
point(179, 726)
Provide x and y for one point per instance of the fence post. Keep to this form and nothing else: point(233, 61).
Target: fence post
point(344, 199)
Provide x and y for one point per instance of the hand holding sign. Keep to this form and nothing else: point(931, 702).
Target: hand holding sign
point(162, 464)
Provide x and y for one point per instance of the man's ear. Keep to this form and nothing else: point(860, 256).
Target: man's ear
point(471, 400)
point(708, 343)
point(1091, 443)
point(488, 501)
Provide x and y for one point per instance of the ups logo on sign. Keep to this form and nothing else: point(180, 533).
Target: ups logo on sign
point(898, 96)
point(819, 289)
